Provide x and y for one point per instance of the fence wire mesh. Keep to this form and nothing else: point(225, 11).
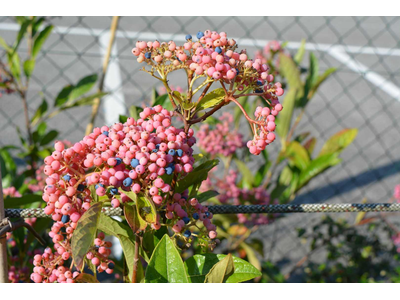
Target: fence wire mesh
point(364, 93)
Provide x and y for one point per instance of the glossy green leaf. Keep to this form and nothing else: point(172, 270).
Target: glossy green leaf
point(317, 166)
point(82, 101)
point(146, 208)
point(221, 271)
point(161, 100)
point(320, 80)
point(290, 71)
point(16, 202)
point(199, 265)
point(29, 65)
point(15, 65)
point(298, 58)
point(297, 155)
point(154, 96)
point(122, 118)
point(197, 176)
point(41, 38)
point(211, 99)
point(339, 141)
point(247, 174)
point(49, 137)
point(133, 218)
point(41, 129)
point(40, 112)
point(7, 160)
point(85, 278)
point(83, 86)
point(251, 255)
point(284, 118)
point(166, 265)
point(63, 96)
point(85, 233)
point(206, 195)
point(152, 237)
point(134, 111)
point(22, 30)
point(312, 78)
point(36, 25)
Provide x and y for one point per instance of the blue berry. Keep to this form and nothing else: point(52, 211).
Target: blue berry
point(207, 214)
point(114, 191)
point(119, 161)
point(148, 55)
point(127, 181)
point(80, 188)
point(105, 133)
point(186, 220)
point(168, 170)
point(134, 163)
point(188, 37)
point(218, 50)
point(154, 150)
point(65, 219)
point(196, 216)
point(187, 234)
point(200, 35)
point(98, 185)
point(67, 177)
point(111, 265)
point(259, 91)
point(171, 152)
point(158, 146)
point(179, 152)
point(259, 82)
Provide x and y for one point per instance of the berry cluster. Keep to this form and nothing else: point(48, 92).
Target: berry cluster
point(118, 160)
point(221, 139)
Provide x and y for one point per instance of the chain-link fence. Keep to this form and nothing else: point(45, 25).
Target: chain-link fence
point(364, 93)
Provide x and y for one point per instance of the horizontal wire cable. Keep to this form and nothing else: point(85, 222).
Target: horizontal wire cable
point(243, 209)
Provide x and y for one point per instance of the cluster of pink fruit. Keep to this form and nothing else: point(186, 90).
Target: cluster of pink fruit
point(221, 139)
point(129, 157)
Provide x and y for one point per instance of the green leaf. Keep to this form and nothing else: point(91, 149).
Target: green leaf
point(166, 264)
point(11, 202)
point(82, 101)
point(146, 208)
point(310, 145)
point(134, 111)
point(151, 238)
point(251, 255)
point(297, 155)
point(85, 233)
point(220, 272)
point(49, 137)
point(311, 79)
point(41, 38)
point(197, 176)
point(63, 96)
point(122, 119)
point(41, 129)
point(261, 174)
point(317, 166)
point(211, 99)
point(29, 65)
point(339, 141)
point(199, 265)
point(161, 100)
point(21, 33)
point(298, 58)
point(154, 95)
point(36, 25)
point(8, 161)
point(284, 118)
point(320, 80)
point(85, 278)
point(42, 109)
point(133, 218)
point(206, 195)
point(15, 65)
point(5, 45)
point(290, 71)
point(247, 175)
point(83, 86)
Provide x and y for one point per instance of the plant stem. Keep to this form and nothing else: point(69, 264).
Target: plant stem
point(136, 259)
point(3, 241)
point(96, 103)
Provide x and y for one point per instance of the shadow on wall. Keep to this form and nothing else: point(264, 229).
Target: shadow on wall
point(346, 185)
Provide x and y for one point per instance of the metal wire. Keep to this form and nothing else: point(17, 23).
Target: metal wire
point(243, 209)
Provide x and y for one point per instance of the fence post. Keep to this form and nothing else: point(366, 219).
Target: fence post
point(3, 241)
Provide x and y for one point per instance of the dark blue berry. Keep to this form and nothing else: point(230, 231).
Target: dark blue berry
point(187, 234)
point(119, 161)
point(148, 55)
point(200, 35)
point(154, 150)
point(111, 266)
point(127, 181)
point(114, 191)
point(259, 82)
point(259, 91)
point(207, 214)
point(65, 219)
point(168, 170)
point(158, 146)
point(179, 152)
point(67, 177)
point(171, 152)
point(188, 37)
point(218, 50)
point(98, 185)
point(134, 163)
point(80, 188)
point(186, 220)
point(196, 216)
point(105, 133)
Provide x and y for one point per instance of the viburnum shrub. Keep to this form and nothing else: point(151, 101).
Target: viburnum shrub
point(146, 165)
